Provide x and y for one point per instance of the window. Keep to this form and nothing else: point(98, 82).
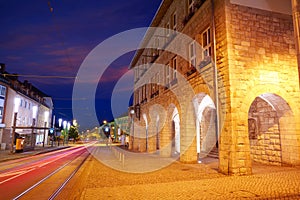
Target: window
point(174, 65)
point(192, 54)
point(155, 85)
point(136, 97)
point(140, 95)
point(167, 33)
point(2, 91)
point(174, 19)
point(206, 43)
point(143, 66)
point(1, 114)
point(136, 74)
point(167, 74)
point(155, 47)
point(144, 93)
point(191, 6)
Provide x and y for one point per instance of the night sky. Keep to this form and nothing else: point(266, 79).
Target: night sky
point(46, 42)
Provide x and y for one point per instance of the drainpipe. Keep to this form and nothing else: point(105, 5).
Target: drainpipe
point(215, 70)
point(296, 19)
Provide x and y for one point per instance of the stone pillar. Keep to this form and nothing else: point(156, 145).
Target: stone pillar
point(188, 147)
point(296, 18)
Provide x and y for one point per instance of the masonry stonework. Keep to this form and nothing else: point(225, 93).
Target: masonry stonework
point(257, 85)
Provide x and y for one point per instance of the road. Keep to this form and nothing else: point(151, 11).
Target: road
point(39, 176)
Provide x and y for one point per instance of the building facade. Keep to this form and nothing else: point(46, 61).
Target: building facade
point(27, 107)
point(219, 76)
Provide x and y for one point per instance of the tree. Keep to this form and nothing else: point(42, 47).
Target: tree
point(74, 133)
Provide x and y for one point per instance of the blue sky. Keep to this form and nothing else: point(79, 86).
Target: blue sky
point(36, 40)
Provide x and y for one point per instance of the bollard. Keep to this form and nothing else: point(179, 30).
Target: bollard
point(123, 159)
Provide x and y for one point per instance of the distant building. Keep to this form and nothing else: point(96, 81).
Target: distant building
point(222, 77)
point(34, 108)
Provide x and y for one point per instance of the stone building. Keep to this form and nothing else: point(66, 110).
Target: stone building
point(219, 76)
point(33, 108)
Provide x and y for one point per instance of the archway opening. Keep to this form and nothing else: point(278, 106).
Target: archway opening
point(175, 133)
point(207, 138)
point(269, 122)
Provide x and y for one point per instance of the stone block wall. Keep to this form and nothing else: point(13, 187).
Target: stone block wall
point(255, 55)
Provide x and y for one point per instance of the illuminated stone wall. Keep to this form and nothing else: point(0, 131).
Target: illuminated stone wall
point(264, 133)
point(256, 57)
point(261, 60)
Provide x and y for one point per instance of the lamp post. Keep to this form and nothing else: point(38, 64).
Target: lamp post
point(68, 128)
point(46, 117)
point(132, 123)
point(59, 125)
point(34, 114)
point(16, 109)
point(65, 131)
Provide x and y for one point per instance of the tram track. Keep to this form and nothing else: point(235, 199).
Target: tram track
point(51, 185)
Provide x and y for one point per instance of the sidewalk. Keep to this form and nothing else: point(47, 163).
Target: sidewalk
point(6, 155)
point(105, 177)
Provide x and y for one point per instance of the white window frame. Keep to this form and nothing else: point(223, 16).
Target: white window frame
point(191, 4)
point(174, 66)
point(2, 91)
point(167, 30)
point(206, 43)
point(157, 81)
point(174, 20)
point(192, 54)
point(167, 74)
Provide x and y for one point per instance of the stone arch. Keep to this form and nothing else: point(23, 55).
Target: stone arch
point(206, 137)
point(170, 137)
point(175, 132)
point(271, 130)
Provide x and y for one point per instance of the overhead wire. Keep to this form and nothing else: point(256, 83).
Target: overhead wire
point(39, 76)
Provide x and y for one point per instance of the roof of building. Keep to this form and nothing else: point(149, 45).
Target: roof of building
point(164, 6)
point(25, 87)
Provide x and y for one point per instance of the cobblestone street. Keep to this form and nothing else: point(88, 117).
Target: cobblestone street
point(183, 181)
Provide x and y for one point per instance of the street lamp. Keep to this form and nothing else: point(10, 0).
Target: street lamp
point(34, 114)
point(59, 125)
point(132, 123)
point(46, 117)
point(75, 122)
point(59, 122)
point(68, 128)
point(16, 109)
point(65, 131)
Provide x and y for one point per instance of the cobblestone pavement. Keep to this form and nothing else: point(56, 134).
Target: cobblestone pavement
point(182, 181)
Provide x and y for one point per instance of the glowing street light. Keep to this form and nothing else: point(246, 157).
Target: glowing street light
point(75, 122)
point(46, 117)
point(59, 122)
point(132, 112)
point(16, 109)
point(34, 115)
